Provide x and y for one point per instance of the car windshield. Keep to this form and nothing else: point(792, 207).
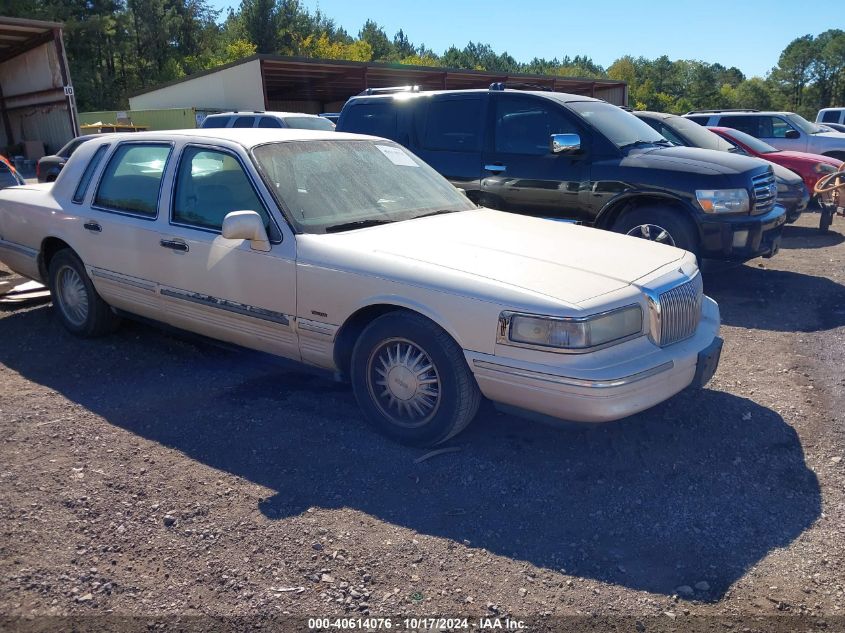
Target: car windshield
point(803, 124)
point(697, 135)
point(756, 145)
point(622, 128)
point(335, 185)
point(309, 123)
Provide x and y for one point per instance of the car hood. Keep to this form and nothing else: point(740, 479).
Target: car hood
point(480, 252)
point(785, 175)
point(692, 159)
point(806, 157)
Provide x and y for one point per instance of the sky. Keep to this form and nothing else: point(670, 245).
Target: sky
point(748, 34)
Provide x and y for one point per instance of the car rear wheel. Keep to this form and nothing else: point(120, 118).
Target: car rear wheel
point(80, 308)
point(664, 226)
point(411, 380)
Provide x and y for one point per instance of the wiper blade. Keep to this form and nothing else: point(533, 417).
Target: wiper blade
point(440, 212)
point(641, 143)
point(359, 224)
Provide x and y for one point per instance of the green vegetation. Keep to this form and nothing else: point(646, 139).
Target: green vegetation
point(120, 47)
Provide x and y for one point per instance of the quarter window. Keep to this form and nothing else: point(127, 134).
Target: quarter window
point(211, 184)
point(748, 124)
point(82, 187)
point(132, 179)
point(523, 126)
point(831, 116)
point(378, 119)
point(215, 121)
point(454, 125)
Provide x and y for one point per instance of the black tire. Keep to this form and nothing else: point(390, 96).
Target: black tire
point(681, 231)
point(825, 220)
point(80, 308)
point(436, 418)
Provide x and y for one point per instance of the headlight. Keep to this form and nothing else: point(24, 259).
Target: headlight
point(824, 168)
point(563, 333)
point(723, 200)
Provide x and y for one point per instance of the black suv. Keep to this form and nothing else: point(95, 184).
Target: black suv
point(566, 156)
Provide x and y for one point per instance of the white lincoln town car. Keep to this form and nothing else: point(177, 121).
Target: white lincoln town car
point(349, 253)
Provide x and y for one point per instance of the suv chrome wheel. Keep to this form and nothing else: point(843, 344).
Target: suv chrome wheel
point(653, 233)
point(72, 296)
point(404, 383)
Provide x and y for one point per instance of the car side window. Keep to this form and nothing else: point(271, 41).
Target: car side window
point(775, 127)
point(131, 181)
point(215, 121)
point(210, 184)
point(88, 174)
point(268, 121)
point(378, 119)
point(831, 116)
point(524, 125)
point(454, 125)
point(748, 124)
point(244, 121)
point(669, 134)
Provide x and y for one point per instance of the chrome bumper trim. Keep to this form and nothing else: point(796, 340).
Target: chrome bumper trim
point(573, 382)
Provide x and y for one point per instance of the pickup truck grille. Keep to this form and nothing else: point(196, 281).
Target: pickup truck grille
point(679, 311)
point(765, 193)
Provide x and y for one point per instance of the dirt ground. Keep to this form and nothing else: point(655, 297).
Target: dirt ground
point(156, 481)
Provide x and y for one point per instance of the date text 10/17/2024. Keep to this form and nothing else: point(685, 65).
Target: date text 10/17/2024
point(416, 624)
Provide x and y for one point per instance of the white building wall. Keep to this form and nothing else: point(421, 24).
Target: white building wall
point(235, 88)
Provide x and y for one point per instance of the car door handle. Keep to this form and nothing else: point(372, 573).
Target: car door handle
point(92, 226)
point(176, 245)
point(495, 168)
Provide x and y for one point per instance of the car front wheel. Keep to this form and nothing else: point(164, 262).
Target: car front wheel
point(79, 307)
point(665, 226)
point(412, 381)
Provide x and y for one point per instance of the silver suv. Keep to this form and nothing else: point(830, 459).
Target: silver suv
point(783, 130)
point(257, 118)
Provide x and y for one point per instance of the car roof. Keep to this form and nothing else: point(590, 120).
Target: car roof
point(260, 113)
point(562, 97)
point(247, 137)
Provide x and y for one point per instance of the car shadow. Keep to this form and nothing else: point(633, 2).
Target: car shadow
point(777, 300)
point(804, 237)
point(700, 488)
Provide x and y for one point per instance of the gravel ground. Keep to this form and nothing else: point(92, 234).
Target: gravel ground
point(155, 476)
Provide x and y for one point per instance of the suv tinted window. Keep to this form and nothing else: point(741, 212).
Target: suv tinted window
point(209, 185)
point(453, 125)
point(82, 187)
point(132, 179)
point(215, 121)
point(378, 119)
point(748, 124)
point(831, 116)
point(268, 121)
point(524, 125)
point(701, 120)
point(244, 121)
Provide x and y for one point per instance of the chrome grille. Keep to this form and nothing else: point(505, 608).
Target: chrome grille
point(765, 193)
point(679, 310)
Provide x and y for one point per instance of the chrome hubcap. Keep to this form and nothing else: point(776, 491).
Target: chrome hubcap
point(653, 233)
point(72, 296)
point(403, 383)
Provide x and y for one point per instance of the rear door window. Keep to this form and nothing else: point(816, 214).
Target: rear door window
point(454, 125)
point(748, 124)
point(377, 119)
point(131, 182)
point(268, 121)
point(244, 121)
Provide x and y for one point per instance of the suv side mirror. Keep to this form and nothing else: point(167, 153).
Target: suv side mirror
point(792, 134)
point(564, 143)
point(246, 225)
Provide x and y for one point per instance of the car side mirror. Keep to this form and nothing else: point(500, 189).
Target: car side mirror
point(792, 134)
point(559, 143)
point(246, 225)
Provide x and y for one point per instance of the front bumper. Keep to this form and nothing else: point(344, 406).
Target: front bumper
point(742, 237)
point(624, 384)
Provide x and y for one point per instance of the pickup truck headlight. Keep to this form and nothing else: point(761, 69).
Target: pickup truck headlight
point(723, 200)
point(570, 333)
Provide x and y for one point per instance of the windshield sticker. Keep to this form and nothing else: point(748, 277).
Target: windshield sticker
point(397, 156)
